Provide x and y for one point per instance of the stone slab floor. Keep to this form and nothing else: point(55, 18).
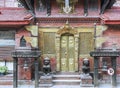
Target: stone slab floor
point(62, 86)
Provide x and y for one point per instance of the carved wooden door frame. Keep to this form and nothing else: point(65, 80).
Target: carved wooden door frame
point(63, 30)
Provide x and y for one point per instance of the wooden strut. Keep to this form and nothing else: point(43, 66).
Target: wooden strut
point(45, 4)
point(85, 7)
point(104, 6)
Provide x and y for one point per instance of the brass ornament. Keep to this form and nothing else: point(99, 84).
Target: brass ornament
point(67, 29)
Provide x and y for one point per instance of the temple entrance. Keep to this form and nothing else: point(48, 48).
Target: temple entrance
point(67, 53)
point(67, 49)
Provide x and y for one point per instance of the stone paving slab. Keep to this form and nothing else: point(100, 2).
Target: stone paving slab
point(62, 86)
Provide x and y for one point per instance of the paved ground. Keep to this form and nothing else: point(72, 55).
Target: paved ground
point(63, 86)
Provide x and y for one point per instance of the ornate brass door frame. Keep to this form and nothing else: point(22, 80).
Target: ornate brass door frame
point(66, 29)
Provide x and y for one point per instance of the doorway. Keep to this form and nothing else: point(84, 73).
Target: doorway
point(67, 53)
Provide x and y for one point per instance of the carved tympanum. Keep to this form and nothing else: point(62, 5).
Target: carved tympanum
point(67, 29)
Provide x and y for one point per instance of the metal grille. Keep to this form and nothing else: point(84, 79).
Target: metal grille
point(49, 43)
point(86, 42)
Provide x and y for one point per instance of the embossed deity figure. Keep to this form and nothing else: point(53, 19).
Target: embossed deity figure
point(46, 66)
point(86, 66)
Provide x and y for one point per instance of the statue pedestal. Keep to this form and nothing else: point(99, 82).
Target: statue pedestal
point(46, 81)
point(86, 80)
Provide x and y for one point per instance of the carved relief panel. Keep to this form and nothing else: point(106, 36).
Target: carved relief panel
point(86, 42)
point(67, 6)
point(64, 54)
point(47, 42)
point(71, 49)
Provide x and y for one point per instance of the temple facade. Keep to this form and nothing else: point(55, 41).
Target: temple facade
point(65, 31)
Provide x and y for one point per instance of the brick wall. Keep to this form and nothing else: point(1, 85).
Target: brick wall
point(113, 37)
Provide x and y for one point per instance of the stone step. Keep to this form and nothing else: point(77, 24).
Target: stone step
point(6, 79)
point(45, 85)
point(61, 78)
point(68, 77)
point(67, 73)
point(6, 82)
point(26, 82)
point(66, 81)
point(72, 76)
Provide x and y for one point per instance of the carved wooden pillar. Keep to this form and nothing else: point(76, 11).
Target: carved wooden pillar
point(113, 63)
point(95, 71)
point(76, 52)
point(58, 51)
point(15, 71)
point(36, 73)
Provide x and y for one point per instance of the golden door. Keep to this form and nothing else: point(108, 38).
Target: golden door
point(67, 54)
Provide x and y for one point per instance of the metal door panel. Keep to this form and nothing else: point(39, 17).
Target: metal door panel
point(71, 53)
point(67, 53)
point(64, 53)
point(64, 66)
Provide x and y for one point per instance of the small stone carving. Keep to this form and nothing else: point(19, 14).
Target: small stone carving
point(86, 66)
point(46, 66)
point(46, 78)
point(86, 79)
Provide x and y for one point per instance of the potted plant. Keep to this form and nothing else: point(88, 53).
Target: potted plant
point(3, 70)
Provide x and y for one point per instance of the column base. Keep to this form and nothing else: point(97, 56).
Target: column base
point(46, 81)
point(86, 81)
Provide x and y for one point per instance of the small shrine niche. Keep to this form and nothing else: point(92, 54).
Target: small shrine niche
point(22, 42)
point(67, 6)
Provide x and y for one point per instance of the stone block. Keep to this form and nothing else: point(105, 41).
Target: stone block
point(46, 81)
point(86, 81)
